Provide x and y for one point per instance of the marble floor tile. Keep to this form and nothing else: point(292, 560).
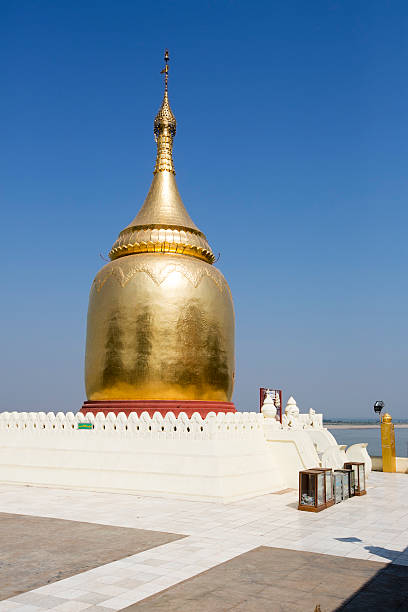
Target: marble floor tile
point(215, 533)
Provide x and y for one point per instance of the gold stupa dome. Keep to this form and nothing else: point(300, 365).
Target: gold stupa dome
point(160, 318)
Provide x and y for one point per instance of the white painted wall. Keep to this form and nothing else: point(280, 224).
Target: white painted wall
point(358, 452)
point(221, 458)
point(224, 457)
point(292, 451)
point(321, 438)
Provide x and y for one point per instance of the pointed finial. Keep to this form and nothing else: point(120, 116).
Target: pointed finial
point(165, 117)
point(165, 70)
point(165, 128)
point(163, 208)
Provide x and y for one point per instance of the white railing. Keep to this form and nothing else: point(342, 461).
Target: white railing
point(213, 426)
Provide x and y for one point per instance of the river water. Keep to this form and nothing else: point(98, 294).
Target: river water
point(373, 437)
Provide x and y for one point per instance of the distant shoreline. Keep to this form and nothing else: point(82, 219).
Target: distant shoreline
point(354, 426)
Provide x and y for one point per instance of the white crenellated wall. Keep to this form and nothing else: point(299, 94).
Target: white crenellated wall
point(223, 457)
point(295, 450)
point(237, 425)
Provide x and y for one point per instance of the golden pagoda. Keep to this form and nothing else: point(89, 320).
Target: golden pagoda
point(160, 330)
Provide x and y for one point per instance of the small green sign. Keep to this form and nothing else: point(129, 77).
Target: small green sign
point(85, 426)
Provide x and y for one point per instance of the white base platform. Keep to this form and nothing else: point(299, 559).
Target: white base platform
point(222, 458)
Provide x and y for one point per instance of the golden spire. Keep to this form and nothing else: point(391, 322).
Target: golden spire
point(165, 127)
point(163, 223)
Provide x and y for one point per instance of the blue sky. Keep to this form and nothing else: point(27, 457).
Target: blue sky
point(291, 156)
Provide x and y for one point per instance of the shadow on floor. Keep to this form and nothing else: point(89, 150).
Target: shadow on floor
point(386, 553)
point(36, 550)
point(386, 590)
point(268, 579)
point(352, 539)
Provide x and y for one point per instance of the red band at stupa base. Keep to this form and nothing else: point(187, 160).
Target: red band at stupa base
point(162, 406)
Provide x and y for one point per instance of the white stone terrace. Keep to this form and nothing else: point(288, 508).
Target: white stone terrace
point(373, 527)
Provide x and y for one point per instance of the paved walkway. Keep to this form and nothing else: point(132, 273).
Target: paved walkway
point(277, 579)
point(36, 551)
point(373, 528)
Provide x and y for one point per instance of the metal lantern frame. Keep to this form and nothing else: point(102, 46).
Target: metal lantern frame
point(358, 468)
point(337, 486)
point(328, 485)
point(348, 491)
point(316, 486)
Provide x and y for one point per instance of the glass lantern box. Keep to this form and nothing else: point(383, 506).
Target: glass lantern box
point(328, 485)
point(358, 468)
point(348, 482)
point(312, 490)
point(338, 486)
